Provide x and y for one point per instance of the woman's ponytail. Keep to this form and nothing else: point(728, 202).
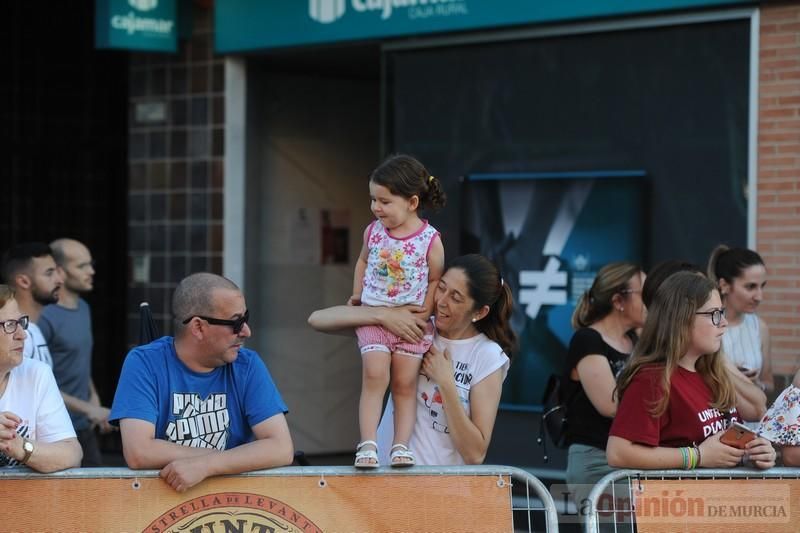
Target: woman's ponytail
point(598, 302)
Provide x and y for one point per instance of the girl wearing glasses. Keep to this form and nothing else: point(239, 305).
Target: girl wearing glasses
point(751, 402)
point(35, 429)
point(675, 396)
point(604, 320)
point(740, 276)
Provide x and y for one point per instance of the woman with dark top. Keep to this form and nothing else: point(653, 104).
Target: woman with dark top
point(604, 321)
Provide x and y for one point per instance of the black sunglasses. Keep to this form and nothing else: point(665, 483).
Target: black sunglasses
point(237, 324)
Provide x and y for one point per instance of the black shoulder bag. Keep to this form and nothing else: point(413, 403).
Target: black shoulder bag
point(554, 414)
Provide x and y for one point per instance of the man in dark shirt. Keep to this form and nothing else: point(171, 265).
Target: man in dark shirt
point(67, 328)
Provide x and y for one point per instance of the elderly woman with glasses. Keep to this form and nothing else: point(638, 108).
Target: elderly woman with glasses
point(675, 396)
point(35, 429)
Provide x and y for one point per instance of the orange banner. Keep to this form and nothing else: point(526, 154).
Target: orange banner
point(260, 504)
point(730, 505)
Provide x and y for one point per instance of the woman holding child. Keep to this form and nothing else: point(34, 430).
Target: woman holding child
point(675, 396)
point(458, 391)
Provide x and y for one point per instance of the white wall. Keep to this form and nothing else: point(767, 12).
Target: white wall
point(311, 144)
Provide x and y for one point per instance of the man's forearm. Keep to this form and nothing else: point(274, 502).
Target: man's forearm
point(94, 398)
point(256, 455)
point(158, 453)
point(76, 405)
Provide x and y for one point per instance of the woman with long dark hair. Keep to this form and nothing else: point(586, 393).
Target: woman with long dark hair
point(458, 392)
point(740, 275)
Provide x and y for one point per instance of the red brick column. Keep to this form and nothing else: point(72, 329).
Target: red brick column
point(778, 224)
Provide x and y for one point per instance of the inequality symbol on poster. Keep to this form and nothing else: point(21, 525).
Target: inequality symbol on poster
point(546, 287)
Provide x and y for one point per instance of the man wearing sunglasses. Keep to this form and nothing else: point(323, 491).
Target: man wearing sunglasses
point(200, 404)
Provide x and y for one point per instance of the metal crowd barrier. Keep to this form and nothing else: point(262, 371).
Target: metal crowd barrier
point(685, 500)
point(421, 498)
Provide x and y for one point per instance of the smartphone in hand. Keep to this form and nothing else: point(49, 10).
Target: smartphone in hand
point(737, 435)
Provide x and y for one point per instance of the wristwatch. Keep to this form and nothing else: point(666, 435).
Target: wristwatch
point(28, 447)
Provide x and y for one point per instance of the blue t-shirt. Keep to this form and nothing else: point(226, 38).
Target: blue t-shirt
point(214, 409)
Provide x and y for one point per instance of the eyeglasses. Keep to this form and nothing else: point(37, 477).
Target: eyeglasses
point(237, 324)
point(10, 326)
point(630, 291)
point(716, 315)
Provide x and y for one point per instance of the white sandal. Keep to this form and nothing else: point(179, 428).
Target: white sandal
point(364, 457)
point(401, 456)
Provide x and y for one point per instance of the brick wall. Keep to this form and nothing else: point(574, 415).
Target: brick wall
point(176, 169)
point(778, 226)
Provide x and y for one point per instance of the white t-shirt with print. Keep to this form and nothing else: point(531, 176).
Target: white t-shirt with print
point(35, 346)
point(473, 360)
point(32, 395)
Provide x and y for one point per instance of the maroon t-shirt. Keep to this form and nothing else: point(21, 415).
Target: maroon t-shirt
point(689, 418)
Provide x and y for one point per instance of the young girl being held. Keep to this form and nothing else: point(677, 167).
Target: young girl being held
point(401, 259)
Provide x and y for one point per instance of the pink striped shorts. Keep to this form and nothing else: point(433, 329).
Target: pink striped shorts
point(379, 339)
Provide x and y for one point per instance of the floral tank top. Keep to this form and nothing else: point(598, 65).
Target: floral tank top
point(397, 269)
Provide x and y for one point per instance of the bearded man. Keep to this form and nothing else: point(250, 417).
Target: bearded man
point(29, 268)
